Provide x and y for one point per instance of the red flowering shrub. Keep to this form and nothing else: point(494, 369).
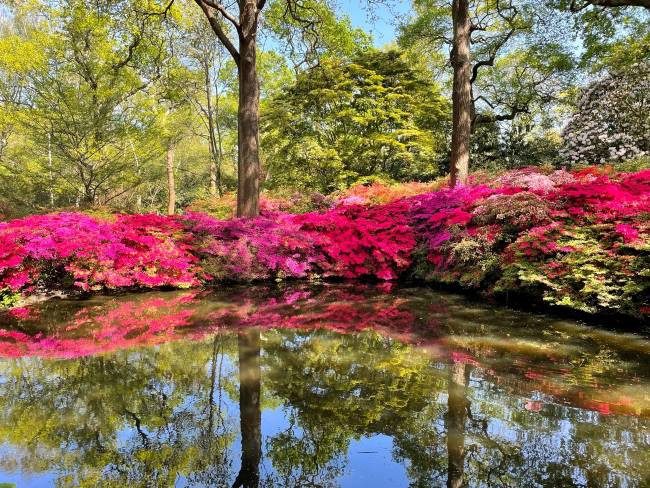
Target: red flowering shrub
point(354, 241)
point(348, 242)
point(595, 254)
point(378, 193)
point(573, 239)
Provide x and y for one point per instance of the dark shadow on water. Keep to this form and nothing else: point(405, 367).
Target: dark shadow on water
point(248, 342)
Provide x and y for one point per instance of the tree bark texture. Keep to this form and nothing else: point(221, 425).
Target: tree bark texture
point(171, 184)
point(461, 94)
point(248, 172)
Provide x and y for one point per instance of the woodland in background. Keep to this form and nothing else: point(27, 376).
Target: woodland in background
point(132, 105)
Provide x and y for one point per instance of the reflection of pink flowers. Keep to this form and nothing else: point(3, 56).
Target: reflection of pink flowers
point(155, 320)
point(146, 320)
point(533, 375)
point(99, 329)
point(464, 358)
point(603, 408)
point(533, 406)
point(23, 313)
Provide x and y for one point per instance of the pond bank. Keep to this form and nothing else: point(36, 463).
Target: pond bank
point(573, 241)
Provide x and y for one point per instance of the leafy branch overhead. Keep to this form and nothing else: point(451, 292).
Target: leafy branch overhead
point(515, 65)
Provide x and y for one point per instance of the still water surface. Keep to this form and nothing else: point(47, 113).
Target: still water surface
point(338, 385)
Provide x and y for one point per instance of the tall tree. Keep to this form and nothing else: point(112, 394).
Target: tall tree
point(176, 117)
point(504, 56)
point(374, 115)
point(304, 17)
point(461, 92)
point(245, 23)
point(82, 105)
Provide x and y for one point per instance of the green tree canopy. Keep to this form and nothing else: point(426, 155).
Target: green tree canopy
point(344, 120)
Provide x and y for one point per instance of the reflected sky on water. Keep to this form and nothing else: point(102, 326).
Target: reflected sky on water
point(305, 386)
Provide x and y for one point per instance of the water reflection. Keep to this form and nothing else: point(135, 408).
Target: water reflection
point(329, 386)
point(457, 407)
point(250, 377)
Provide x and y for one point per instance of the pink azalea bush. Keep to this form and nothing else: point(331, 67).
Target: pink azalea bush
point(75, 250)
point(574, 239)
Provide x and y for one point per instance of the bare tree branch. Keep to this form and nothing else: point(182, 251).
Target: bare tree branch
point(223, 11)
point(213, 19)
point(577, 7)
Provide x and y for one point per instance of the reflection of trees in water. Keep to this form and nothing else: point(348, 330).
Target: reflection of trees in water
point(457, 406)
point(153, 413)
point(249, 408)
point(135, 418)
point(460, 429)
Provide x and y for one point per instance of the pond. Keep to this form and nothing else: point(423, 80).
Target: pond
point(308, 386)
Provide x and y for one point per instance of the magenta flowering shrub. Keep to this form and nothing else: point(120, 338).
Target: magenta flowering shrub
point(74, 250)
point(579, 240)
point(266, 247)
point(349, 241)
point(353, 241)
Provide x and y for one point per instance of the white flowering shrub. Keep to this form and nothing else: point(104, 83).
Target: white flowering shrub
point(612, 122)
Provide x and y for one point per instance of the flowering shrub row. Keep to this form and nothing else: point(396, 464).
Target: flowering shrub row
point(579, 240)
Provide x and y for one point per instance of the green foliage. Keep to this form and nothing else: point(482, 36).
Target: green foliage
point(519, 70)
point(588, 278)
point(307, 30)
point(342, 121)
point(8, 298)
point(81, 110)
point(614, 36)
point(92, 95)
point(520, 144)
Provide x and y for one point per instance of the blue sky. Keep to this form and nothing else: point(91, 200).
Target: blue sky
point(379, 19)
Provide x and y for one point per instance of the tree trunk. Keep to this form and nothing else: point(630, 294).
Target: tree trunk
point(218, 139)
point(171, 184)
point(461, 93)
point(138, 197)
point(249, 409)
point(49, 168)
point(456, 417)
point(248, 171)
point(88, 197)
point(215, 162)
